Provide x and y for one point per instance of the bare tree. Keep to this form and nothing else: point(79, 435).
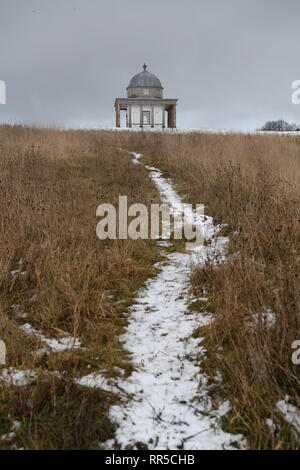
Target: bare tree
point(279, 126)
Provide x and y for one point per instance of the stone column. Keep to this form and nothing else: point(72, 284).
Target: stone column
point(174, 116)
point(118, 120)
point(129, 115)
point(152, 116)
point(170, 117)
point(141, 116)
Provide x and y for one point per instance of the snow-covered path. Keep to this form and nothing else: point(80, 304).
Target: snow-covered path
point(169, 403)
point(170, 407)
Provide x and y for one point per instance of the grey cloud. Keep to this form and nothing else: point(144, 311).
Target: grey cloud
point(231, 63)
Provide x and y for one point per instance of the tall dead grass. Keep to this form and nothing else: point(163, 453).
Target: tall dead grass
point(51, 183)
point(71, 283)
point(252, 184)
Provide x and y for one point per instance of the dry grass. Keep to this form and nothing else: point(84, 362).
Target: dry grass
point(51, 184)
point(251, 183)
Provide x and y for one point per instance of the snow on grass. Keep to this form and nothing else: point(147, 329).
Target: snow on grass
point(18, 272)
point(290, 413)
point(170, 406)
point(266, 318)
point(186, 130)
point(12, 433)
point(165, 402)
point(274, 427)
point(54, 345)
point(96, 380)
point(16, 377)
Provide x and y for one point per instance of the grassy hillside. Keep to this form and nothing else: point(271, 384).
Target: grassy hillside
point(67, 282)
point(58, 276)
point(251, 183)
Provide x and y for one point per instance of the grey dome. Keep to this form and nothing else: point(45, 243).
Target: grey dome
point(145, 79)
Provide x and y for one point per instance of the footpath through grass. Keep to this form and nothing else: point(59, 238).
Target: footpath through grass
point(58, 277)
point(250, 183)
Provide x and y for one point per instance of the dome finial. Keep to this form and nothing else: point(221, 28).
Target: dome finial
point(145, 67)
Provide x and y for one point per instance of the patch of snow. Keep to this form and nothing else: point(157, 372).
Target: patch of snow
point(271, 425)
point(119, 371)
point(18, 314)
point(55, 345)
point(18, 377)
point(22, 315)
point(204, 319)
point(12, 434)
point(183, 130)
point(290, 413)
point(164, 244)
point(266, 318)
point(15, 307)
point(96, 380)
point(18, 272)
point(41, 352)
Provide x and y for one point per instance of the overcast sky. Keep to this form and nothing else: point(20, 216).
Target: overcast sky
point(229, 62)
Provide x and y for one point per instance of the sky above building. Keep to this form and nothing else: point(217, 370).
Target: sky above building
point(231, 63)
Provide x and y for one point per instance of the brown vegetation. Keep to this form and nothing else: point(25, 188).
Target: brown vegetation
point(252, 184)
point(72, 283)
point(51, 184)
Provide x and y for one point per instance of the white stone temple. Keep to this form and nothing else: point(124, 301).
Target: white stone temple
point(145, 106)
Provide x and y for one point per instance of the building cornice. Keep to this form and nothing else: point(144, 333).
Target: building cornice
point(128, 101)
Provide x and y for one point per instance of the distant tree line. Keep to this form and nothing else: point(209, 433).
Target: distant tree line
point(280, 126)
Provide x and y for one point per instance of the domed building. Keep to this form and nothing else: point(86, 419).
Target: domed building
point(145, 105)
